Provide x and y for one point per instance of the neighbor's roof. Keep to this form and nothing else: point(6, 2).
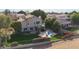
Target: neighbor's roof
point(29, 16)
point(63, 21)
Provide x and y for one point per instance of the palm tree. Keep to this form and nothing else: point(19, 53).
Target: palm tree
point(5, 29)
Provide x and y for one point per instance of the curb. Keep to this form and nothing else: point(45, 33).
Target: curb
point(28, 45)
point(32, 45)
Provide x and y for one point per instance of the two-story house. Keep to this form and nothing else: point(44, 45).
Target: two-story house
point(62, 18)
point(30, 23)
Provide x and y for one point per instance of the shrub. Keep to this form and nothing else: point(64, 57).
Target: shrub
point(40, 40)
point(14, 44)
point(16, 26)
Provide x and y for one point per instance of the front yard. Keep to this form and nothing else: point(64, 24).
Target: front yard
point(22, 38)
point(56, 38)
point(25, 39)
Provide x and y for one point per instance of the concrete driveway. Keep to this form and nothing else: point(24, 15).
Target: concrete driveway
point(69, 44)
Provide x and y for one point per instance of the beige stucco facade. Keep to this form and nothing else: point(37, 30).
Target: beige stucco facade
point(62, 18)
point(30, 24)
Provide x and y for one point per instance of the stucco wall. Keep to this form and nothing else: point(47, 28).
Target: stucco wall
point(31, 22)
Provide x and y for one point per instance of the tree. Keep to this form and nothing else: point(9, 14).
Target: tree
point(75, 18)
point(66, 12)
point(73, 12)
point(5, 29)
point(52, 24)
point(16, 26)
point(39, 13)
point(7, 12)
point(22, 12)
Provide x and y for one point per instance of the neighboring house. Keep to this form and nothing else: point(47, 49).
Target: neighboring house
point(13, 16)
point(62, 18)
point(20, 16)
point(30, 23)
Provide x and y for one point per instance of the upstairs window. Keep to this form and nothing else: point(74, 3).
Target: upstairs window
point(27, 24)
point(62, 16)
point(37, 22)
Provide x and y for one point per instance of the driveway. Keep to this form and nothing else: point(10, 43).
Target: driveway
point(74, 44)
point(69, 44)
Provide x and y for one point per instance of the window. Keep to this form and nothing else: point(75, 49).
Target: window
point(62, 16)
point(31, 28)
point(68, 19)
point(27, 23)
point(67, 25)
point(25, 29)
point(34, 22)
point(37, 22)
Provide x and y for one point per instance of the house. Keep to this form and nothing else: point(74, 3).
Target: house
point(13, 16)
point(62, 18)
point(20, 16)
point(30, 23)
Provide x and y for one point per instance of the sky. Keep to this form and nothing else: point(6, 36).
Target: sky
point(46, 5)
point(46, 10)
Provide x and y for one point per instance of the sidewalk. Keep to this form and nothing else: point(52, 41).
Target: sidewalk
point(30, 45)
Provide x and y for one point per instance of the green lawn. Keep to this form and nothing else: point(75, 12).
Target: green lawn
point(73, 29)
point(22, 39)
point(56, 37)
point(25, 39)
